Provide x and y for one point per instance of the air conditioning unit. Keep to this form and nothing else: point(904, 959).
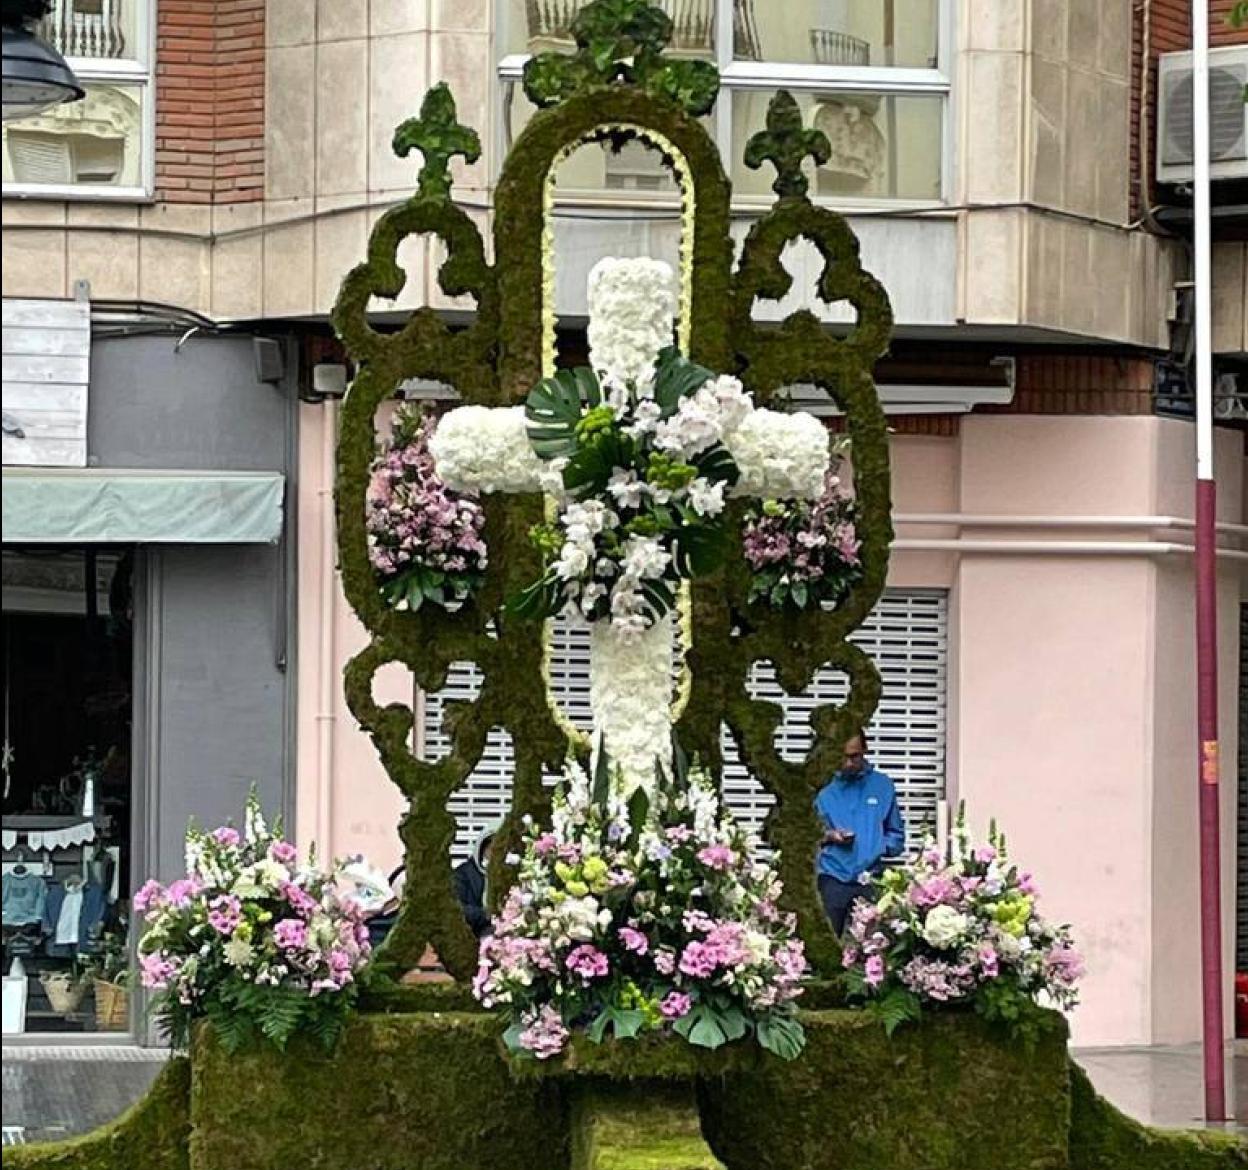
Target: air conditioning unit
point(1228, 115)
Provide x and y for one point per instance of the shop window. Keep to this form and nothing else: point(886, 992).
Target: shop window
point(68, 653)
point(102, 145)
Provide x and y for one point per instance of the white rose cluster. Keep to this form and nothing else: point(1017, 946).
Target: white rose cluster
point(486, 449)
point(630, 694)
point(632, 304)
point(780, 456)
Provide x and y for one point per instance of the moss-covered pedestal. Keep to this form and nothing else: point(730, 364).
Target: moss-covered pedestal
point(432, 1090)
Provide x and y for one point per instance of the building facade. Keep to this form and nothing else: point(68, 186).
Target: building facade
point(998, 162)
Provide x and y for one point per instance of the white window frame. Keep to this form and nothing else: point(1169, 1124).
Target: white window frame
point(138, 71)
point(798, 78)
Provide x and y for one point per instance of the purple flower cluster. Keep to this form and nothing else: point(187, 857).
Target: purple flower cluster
point(594, 933)
point(424, 541)
point(960, 926)
point(247, 914)
point(803, 553)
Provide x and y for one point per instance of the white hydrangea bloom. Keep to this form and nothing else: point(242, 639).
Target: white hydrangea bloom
point(486, 449)
point(632, 305)
point(630, 693)
point(780, 456)
point(944, 926)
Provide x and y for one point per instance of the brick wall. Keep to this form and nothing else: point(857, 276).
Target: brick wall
point(1170, 32)
point(209, 101)
point(1080, 384)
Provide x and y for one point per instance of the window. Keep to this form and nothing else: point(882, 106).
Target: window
point(873, 75)
point(101, 146)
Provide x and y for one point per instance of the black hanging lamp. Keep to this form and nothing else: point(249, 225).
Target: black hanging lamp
point(36, 77)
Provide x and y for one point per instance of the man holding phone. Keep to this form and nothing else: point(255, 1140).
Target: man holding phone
point(862, 826)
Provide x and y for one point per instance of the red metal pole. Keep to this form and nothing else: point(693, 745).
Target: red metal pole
point(1210, 844)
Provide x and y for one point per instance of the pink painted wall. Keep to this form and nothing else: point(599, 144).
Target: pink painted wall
point(1070, 690)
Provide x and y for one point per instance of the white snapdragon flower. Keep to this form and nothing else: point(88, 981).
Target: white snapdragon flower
point(550, 478)
point(735, 405)
point(695, 427)
point(626, 488)
point(944, 926)
point(645, 558)
point(573, 561)
point(706, 498)
point(486, 449)
point(646, 417)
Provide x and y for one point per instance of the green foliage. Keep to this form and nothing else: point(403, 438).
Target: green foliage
point(439, 138)
point(621, 41)
point(152, 1135)
point(637, 1127)
point(1238, 15)
point(786, 144)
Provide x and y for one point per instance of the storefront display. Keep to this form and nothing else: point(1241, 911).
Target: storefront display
point(67, 787)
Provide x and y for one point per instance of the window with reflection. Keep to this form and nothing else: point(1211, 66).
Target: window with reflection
point(873, 75)
point(104, 142)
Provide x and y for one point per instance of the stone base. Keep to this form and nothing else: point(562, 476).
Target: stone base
point(431, 1090)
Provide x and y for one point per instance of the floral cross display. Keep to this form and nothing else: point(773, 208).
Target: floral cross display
point(639, 453)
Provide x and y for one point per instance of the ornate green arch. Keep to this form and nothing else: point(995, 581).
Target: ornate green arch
point(618, 85)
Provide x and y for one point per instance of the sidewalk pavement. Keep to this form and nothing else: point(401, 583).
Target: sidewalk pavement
point(1165, 1086)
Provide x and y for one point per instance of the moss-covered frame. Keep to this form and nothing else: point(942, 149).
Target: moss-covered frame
point(617, 86)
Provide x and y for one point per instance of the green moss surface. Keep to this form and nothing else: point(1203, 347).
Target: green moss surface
point(1102, 1138)
point(432, 1090)
point(151, 1135)
point(637, 1127)
point(399, 1093)
point(948, 1095)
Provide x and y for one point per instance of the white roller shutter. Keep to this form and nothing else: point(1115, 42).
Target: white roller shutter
point(906, 635)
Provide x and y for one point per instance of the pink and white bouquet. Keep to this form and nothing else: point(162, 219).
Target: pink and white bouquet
point(425, 541)
point(250, 939)
point(960, 927)
point(657, 922)
point(803, 553)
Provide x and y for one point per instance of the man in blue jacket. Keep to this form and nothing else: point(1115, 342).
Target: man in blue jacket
point(862, 826)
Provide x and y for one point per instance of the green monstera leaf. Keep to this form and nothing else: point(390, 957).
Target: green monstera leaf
point(553, 409)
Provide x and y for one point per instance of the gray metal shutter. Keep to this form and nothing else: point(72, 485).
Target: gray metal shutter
point(906, 635)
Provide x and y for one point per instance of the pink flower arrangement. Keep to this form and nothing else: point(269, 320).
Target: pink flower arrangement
point(592, 939)
point(802, 553)
point(425, 541)
point(960, 926)
point(243, 930)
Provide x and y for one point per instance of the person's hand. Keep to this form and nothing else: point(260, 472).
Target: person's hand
point(837, 837)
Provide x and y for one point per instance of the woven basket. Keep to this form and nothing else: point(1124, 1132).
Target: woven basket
point(64, 992)
point(112, 1006)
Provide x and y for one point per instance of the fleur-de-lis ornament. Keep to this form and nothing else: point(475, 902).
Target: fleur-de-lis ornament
point(439, 137)
point(786, 144)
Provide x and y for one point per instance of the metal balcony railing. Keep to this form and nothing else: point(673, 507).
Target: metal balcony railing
point(693, 24)
point(830, 47)
point(86, 28)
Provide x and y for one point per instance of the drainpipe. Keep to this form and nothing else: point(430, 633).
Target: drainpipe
point(1206, 586)
point(327, 667)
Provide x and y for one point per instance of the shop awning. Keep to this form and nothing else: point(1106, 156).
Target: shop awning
point(98, 506)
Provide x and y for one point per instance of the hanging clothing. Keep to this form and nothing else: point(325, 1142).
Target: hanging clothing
point(73, 930)
point(23, 898)
point(67, 919)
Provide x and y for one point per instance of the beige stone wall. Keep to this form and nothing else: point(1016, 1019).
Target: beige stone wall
point(1044, 100)
point(1041, 125)
point(340, 76)
point(1230, 298)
